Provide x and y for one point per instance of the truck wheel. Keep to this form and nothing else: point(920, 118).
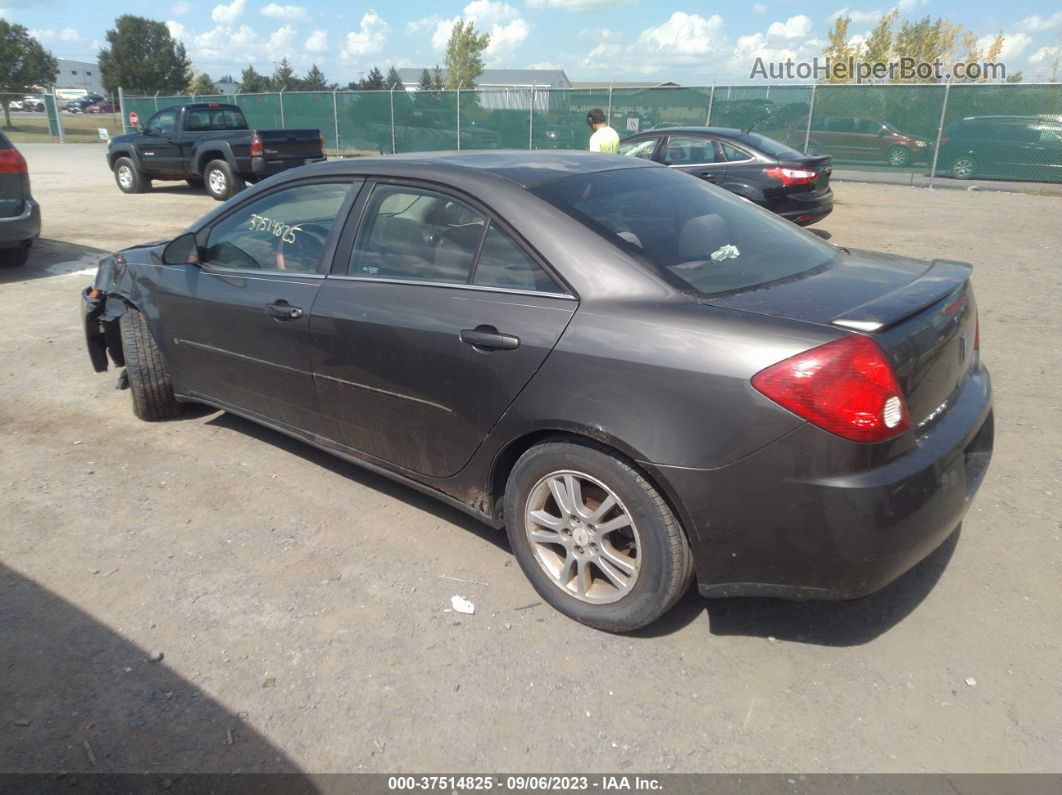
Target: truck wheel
point(221, 183)
point(129, 177)
point(149, 382)
point(195, 182)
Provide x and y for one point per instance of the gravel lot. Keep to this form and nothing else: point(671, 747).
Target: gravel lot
point(302, 604)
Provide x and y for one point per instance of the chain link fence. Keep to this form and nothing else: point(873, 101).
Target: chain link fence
point(44, 118)
point(1008, 131)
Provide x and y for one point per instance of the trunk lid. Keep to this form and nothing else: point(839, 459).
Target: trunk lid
point(922, 314)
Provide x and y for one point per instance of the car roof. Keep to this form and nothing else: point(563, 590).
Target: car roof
point(520, 167)
point(732, 131)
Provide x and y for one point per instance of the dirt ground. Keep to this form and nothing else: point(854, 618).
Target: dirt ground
point(301, 604)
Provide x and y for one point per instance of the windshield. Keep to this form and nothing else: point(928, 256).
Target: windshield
point(769, 146)
point(697, 236)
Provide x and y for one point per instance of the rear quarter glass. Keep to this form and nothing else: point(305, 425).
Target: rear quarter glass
point(698, 237)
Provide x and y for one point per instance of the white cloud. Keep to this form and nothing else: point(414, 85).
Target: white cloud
point(427, 23)
point(291, 12)
point(317, 41)
point(793, 28)
point(759, 8)
point(177, 31)
point(227, 14)
point(43, 35)
point(683, 35)
point(69, 34)
point(181, 8)
point(507, 29)
point(858, 17)
point(579, 5)
point(1013, 45)
point(910, 5)
point(1038, 24)
point(368, 39)
point(281, 43)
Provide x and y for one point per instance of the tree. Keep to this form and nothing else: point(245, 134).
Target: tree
point(393, 80)
point(425, 81)
point(437, 79)
point(464, 55)
point(838, 49)
point(374, 82)
point(251, 82)
point(226, 78)
point(315, 79)
point(284, 77)
point(202, 84)
point(24, 63)
point(1015, 77)
point(143, 58)
point(878, 46)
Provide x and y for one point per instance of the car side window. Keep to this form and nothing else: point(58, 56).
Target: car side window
point(162, 123)
point(842, 125)
point(732, 154)
point(283, 231)
point(417, 235)
point(640, 149)
point(502, 264)
point(682, 151)
point(868, 126)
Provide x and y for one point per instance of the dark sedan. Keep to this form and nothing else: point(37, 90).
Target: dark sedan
point(643, 378)
point(20, 215)
point(760, 169)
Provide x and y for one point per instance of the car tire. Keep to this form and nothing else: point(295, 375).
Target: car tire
point(220, 182)
point(655, 564)
point(963, 167)
point(129, 178)
point(14, 257)
point(149, 383)
point(898, 157)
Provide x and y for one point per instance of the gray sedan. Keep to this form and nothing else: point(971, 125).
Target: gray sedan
point(644, 379)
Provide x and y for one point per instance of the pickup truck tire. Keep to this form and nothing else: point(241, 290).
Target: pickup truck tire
point(149, 382)
point(221, 183)
point(129, 178)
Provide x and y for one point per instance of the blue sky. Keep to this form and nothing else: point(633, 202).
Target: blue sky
point(689, 42)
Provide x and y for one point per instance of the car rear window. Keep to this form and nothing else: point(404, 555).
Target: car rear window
point(215, 119)
point(769, 146)
point(699, 237)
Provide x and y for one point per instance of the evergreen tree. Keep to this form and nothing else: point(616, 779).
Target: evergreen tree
point(425, 81)
point(315, 80)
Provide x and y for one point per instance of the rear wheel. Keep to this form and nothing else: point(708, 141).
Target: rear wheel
point(594, 537)
point(149, 383)
point(128, 177)
point(898, 156)
point(221, 182)
point(963, 168)
point(14, 257)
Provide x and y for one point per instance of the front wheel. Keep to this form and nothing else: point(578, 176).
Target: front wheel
point(962, 168)
point(594, 537)
point(221, 182)
point(128, 177)
point(149, 383)
point(898, 157)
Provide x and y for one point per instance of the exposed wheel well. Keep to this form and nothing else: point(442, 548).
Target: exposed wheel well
point(506, 460)
point(205, 158)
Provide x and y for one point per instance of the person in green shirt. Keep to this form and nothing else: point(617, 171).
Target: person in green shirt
point(604, 138)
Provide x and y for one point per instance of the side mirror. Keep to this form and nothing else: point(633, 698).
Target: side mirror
point(183, 250)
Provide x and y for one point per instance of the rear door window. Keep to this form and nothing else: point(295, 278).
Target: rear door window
point(640, 149)
point(688, 151)
point(504, 265)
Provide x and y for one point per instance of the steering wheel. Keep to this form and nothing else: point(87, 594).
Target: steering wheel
point(306, 248)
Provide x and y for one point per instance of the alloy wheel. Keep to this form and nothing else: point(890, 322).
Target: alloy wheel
point(125, 176)
point(963, 168)
point(583, 537)
point(216, 181)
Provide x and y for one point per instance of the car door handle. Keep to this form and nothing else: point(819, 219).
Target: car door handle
point(487, 337)
point(282, 310)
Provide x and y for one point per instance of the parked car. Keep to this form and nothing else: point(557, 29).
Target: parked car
point(30, 102)
point(756, 168)
point(642, 377)
point(1014, 147)
point(207, 143)
point(852, 138)
point(20, 214)
point(80, 104)
point(103, 106)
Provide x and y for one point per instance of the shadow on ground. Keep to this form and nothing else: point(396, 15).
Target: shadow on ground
point(54, 258)
point(75, 698)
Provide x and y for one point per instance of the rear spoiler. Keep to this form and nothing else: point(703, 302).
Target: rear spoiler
point(941, 278)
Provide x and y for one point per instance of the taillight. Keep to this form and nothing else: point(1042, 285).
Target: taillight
point(257, 150)
point(846, 387)
point(12, 162)
point(792, 176)
point(321, 139)
point(977, 331)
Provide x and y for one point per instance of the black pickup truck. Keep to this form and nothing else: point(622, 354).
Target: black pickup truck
point(207, 143)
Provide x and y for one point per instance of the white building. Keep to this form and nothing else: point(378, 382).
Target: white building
point(79, 74)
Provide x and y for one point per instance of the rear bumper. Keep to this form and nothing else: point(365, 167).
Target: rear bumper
point(803, 208)
point(23, 228)
point(764, 527)
point(266, 167)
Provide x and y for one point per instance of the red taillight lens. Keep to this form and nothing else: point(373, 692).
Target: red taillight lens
point(12, 162)
point(792, 176)
point(977, 331)
point(257, 150)
point(846, 387)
